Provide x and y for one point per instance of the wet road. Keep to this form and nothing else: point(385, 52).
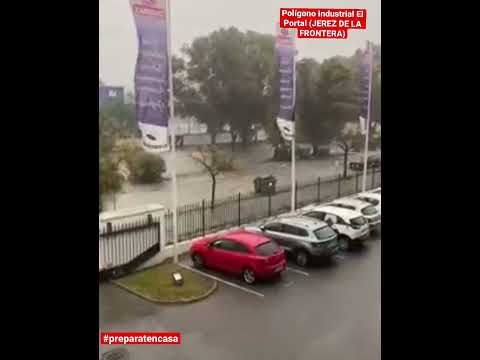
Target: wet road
point(331, 312)
point(196, 186)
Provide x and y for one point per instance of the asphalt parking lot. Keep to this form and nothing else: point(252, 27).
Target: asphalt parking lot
point(327, 311)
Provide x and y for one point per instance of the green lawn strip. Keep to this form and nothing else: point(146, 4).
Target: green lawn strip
point(156, 284)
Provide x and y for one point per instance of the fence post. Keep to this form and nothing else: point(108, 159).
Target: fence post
point(339, 186)
point(356, 182)
point(203, 217)
point(318, 189)
point(269, 204)
point(296, 195)
point(373, 178)
point(239, 215)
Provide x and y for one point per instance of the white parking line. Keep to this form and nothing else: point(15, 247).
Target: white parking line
point(298, 271)
point(222, 281)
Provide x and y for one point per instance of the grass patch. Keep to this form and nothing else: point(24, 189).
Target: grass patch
point(156, 284)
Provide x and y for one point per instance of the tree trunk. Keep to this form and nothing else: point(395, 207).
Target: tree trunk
point(214, 183)
point(234, 139)
point(315, 150)
point(245, 139)
point(214, 137)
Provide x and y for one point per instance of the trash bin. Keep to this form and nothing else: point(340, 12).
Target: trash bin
point(265, 185)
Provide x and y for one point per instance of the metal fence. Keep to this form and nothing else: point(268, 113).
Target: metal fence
point(124, 246)
point(197, 219)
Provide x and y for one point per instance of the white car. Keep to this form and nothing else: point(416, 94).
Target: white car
point(376, 191)
point(371, 198)
point(366, 209)
point(351, 226)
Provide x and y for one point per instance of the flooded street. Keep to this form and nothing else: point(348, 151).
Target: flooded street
point(194, 185)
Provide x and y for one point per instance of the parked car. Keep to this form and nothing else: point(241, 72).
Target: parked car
point(281, 152)
point(372, 198)
point(254, 256)
point(304, 237)
point(368, 211)
point(373, 162)
point(351, 226)
point(376, 191)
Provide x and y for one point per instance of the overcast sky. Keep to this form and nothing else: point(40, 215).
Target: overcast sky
point(192, 18)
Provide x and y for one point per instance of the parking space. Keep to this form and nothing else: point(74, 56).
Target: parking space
point(328, 310)
point(263, 287)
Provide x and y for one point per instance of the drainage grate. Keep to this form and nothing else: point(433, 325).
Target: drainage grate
point(116, 354)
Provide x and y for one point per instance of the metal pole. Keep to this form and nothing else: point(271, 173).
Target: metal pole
point(318, 190)
point(269, 204)
point(239, 207)
point(364, 182)
point(339, 191)
point(293, 171)
point(172, 135)
point(294, 135)
point(203, 217)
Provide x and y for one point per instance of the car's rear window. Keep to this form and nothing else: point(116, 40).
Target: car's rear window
point(266, 249)
point(358, 221)
point(369, 210)
point(370, 200)
point(324, 233)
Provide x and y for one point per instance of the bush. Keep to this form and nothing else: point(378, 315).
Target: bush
point(146, 168)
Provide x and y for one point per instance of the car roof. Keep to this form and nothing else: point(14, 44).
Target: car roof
point(245, 237)
point(353, 202)
point(302, 221)
point(344, 213)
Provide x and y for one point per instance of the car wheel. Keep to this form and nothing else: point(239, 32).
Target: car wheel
point(249, 276)
point(301, 258)
point(198, 261)
point(344, 243)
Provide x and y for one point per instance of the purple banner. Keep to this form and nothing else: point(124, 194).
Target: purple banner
point(285, 56)
point(151, 73)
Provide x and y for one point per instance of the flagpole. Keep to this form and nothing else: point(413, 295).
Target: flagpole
point(292, 151)
point(172, 134)
point(365, 157)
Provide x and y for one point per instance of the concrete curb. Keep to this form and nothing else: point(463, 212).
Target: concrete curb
point(169, 302)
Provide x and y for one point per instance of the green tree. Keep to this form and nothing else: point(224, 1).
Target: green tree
point(122, 117)
point(326, 100)
point(228, 76)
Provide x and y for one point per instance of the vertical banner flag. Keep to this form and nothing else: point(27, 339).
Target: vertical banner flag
point(364, 71)
point(285, 55)
point(151, 73)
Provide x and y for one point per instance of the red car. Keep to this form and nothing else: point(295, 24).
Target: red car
point(254, 256)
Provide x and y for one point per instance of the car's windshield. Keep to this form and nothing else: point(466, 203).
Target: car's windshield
point(344, 206)
point(266, 249)
point(324, 233)
point(369, 210)
point(358, 221)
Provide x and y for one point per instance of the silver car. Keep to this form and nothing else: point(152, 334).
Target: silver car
point(304, 237)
